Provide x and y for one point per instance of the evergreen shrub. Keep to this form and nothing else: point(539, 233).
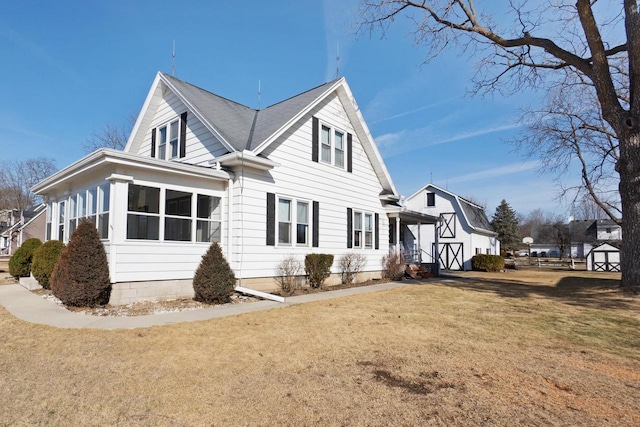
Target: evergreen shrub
point(214, 281)
point(482, 262)
point(44, 260)
point(20, 262)
point(318, 268)
point(80, 278)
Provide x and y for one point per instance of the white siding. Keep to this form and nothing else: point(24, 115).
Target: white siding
point(300, 178)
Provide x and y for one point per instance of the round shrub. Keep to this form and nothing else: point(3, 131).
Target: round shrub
point(80, 278)
point(44, 259)
point(318, 268)
point(20, 262)
point(482, 262)
point(214, 280)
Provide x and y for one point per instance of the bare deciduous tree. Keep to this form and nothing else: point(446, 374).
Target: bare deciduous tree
point(112, 136)
point(17, 178)
point(569, 130)
point(545, 44)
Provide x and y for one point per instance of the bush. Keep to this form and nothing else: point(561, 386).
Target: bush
point(44, 260)
point(20, 262)
point(318, 268)
point(393, 266)
point(286, 274)
point(482, 262)
point(80, 278)
point(351, 264)
point(214, 281)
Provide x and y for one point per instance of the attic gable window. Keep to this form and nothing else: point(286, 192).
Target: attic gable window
point(331, 146)
point(168, 141)
point(430, 199)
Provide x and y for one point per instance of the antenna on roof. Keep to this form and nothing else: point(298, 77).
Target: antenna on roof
point(173, 60)
point(259, 92)
point(337, 59)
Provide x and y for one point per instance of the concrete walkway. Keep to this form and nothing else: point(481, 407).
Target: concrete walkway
point(26, 305)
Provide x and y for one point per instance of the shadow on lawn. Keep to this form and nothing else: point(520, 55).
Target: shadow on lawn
point(581, 291)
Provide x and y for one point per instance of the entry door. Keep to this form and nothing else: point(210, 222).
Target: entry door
point(451, 256)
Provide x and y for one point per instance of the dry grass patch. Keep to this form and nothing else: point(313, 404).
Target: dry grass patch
point(434, 354)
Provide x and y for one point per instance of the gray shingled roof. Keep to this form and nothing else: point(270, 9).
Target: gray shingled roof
point(241, 126)
point(476, 216)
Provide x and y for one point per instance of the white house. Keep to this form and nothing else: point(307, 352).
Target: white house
point(462, 232)
point(301, 176)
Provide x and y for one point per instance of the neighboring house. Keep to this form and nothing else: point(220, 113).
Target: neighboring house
point(605, 230)
point(463, 231)
point(604, 257)
point(21, 228)
point(301, 176)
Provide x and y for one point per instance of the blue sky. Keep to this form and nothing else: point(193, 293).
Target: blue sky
point(69, 67)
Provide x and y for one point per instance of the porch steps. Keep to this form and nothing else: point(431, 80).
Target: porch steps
point(416, 271)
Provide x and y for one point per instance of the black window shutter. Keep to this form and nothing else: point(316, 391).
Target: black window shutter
point(153, 142)
point(315, 135)
point(349, 228)
point(271, 219)
point(377, 231)
point(349, 152)
point(316, 225)
point(183, 134)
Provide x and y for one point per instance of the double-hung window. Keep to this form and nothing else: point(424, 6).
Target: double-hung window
point(169, 140)
point(103, 211)
point(48, 221)
point(61, 218)
point(362, 228)
point(332, 146)
point(73, 216)
point(173, 138)
point(293, 215)
point(302, 223)
point(92, 204)
point(325, 138)
point(162, 142)
point(338, 142)
point(284, 221)
point(368, 231)
point(357, 229)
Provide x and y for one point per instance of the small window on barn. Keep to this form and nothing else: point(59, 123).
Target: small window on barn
point(431, 199)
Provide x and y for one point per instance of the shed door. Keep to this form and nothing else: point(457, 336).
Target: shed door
point(605, 260)
point(450, 255)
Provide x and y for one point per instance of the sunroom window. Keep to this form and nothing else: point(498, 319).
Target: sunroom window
point(185, 217)
point(143, 217)
point(177, 223)
point(209, 216)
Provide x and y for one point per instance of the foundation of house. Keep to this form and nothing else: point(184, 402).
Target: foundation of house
point(131, 292)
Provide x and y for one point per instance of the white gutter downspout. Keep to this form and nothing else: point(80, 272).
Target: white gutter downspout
point(436, 239)
point(230, 219)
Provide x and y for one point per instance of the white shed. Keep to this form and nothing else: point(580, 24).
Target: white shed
point(604, 257)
